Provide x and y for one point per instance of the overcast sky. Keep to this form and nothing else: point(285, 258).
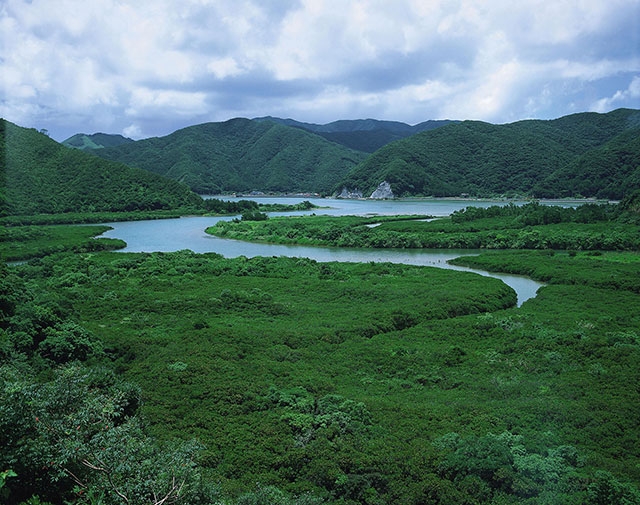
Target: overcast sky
point(149, 67)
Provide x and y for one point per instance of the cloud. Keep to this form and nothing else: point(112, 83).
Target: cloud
point(151, 66)
point(620, 98)
point(132, 131)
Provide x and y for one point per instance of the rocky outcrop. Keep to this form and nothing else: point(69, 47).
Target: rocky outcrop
point(350, 193)
point(383, 192)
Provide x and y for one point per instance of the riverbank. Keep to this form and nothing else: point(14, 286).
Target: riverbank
point(497, 200)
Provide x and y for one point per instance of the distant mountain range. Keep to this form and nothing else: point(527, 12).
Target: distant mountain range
point(41, 176)
point(367, 135)
point(586, 154)
point(581, 155)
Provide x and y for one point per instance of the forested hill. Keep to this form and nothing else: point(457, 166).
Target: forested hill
point(41, 176)
point(241, 155)
point(95, 141)
point(611, 170)
point(587, 154)
point(367, 135)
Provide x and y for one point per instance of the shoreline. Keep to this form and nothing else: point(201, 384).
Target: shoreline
point(422, 198)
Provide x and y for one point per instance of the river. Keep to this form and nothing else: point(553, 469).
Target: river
point(167, 235)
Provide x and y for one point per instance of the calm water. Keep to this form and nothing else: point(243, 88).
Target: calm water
point(169, 235)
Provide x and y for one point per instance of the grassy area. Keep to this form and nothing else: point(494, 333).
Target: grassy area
point(24, 242)
point(342, 379)
point(337, 383)
point(610, 270)
point(528, 227)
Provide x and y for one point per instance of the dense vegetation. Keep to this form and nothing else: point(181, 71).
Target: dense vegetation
point(367, 135)
point(197, 380)
point(531, 226)
point(570, 156)
point(435, 390)
point(24, 242)
point(241, 155)
point(275, 380)
point(587, 154)
point(607, 171)
point(40, 176)
point(218, 206)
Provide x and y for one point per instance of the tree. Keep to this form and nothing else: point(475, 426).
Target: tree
point(607, 490)
point(80, 434)
point(68, 342)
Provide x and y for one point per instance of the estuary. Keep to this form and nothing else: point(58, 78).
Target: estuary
point(169, 235)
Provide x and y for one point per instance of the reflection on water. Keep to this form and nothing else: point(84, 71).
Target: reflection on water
point(169, 235)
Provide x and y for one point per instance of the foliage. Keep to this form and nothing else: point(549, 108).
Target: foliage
point(90, 217)
point(606, 489)
point(210, 206)
point(254, 216)
point(218, 206)
point(532, 226)
point(367, 135)
point(68, 342)
point(279, 207)
point(306, 382)
point(501, 464)
point(608, 171)
point(40, 176)
point(332, 382)
point(256, 299)
point(604, 270)
point(78, 433)
point(95, 141)
point(583, 154)
point(241, 155)
point(24, 242)
point(3, 479)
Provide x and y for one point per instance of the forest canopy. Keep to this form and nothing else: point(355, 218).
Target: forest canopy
point(40, 176)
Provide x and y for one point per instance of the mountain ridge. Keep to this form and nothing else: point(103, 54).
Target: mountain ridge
point(585, 154)
point(367, 135)
point(41, 176)
point(241, 155)
point(99, 140)
point(520, 158)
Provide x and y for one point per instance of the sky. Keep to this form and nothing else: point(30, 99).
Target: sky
point(144, 68)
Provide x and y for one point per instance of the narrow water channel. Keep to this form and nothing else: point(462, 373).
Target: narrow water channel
point(170, 235)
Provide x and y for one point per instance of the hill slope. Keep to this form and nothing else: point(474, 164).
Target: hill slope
point(241, 155)
point(367, 135)
point(528, 157)
point(41, 176)
point(608, 171)
point(83, 141)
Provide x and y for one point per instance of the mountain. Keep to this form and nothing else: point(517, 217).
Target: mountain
point(40, 176)
point(608, 171)
point(587, 154)
point(241, 155)
point(367, 135)
point(83, 141)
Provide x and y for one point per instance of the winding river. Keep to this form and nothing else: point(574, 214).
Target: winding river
point(169, 235)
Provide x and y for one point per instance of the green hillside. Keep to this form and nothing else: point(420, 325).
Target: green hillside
point(41, 176)
point(96, 141)
point(241, 155)
point(367, 135)
point(537, 158)
point(608, 171)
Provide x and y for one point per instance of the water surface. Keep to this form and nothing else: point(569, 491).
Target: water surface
point(168, 235)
